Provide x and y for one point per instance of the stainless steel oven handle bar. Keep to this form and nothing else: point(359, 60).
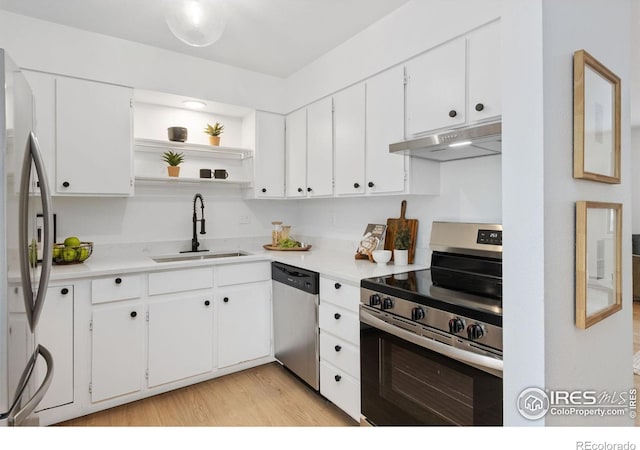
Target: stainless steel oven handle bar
point(463, 356)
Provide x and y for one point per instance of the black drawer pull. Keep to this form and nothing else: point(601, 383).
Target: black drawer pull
point(64, 291)
point(479, 107)
point(337, 316)
point(337, 285)
point(337, 378)
point(299, 189)
point(338, 348)
point(370, 184)
point(453, 113)
point(226, 299)
point(356, 185)
point(207, 303)
point(264, 190)
point(118, 280)
point(65, 184)
point(133, 314)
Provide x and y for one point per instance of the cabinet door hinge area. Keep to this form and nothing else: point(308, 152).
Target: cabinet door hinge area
point(146, 374)
point(90, 388)
point(91, 325)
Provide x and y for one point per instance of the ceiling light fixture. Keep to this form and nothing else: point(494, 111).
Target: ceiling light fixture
point(196, 22)
point(194, 104)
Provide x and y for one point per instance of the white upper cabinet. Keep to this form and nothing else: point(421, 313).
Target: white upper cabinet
point(269, 155)
point(94, 135)
point(385, 172)
point(320, 148)
point(296, 153)
point(454, 84)
point(349, 135)
point(436, 88)
point(483, 46)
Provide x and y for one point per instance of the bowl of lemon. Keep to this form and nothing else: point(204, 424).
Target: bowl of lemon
point(72, 251)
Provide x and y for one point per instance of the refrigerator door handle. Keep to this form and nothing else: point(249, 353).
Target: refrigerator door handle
point(34, 308)
point(17, 416)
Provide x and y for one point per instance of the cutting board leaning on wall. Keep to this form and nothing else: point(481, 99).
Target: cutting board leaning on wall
point(393, 225)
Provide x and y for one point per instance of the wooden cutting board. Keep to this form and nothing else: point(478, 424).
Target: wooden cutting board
point(394, 224)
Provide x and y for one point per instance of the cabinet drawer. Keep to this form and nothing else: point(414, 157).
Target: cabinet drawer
point(341, 389)
point(340, 322)
point(340, 353)
point(341, 294)
point(242, 273)
point(117, 287)
point(180, 280)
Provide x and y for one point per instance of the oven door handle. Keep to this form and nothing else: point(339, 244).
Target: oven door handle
point(481, 361)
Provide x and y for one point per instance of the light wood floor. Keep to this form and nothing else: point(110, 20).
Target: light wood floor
point(636, 347)
point(268, 395)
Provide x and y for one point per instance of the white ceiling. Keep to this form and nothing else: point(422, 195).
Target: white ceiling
point(275, 37)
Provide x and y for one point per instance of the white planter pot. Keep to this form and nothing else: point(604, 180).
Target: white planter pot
point(401, 257)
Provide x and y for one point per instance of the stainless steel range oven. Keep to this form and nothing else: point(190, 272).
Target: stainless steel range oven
point(431, 340)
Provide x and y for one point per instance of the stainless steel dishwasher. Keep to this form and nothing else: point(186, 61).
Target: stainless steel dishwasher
point(295, 321)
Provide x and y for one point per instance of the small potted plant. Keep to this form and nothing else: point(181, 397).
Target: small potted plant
point(214, 133)
point(174, 159)
point(401, 243)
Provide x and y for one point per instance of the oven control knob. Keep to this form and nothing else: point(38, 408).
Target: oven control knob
point(374, 300)
point(417, 313)
point(475, 331)
point(456, 325)
point(387, 303)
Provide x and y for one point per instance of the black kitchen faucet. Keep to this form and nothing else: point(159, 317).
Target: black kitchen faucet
point(194, 240)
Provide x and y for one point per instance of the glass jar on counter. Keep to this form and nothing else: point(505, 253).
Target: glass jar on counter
point(285, 232)
point(276, 233)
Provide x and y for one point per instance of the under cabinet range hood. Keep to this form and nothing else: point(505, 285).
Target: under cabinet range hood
point(463, 143)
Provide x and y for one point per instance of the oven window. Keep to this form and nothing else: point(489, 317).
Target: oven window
point(405, 384)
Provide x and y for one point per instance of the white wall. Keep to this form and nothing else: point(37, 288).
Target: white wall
point(410, 30)
point(635, 178)
point(470, 190)
point(542, 345)
point(49, 47)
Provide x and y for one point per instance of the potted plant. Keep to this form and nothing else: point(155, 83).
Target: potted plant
point(174, 159)
point(401, 243)
point(214, 133)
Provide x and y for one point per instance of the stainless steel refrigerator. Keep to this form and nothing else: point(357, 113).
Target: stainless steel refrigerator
point(24, 194)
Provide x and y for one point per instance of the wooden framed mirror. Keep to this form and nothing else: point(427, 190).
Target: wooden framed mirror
point(596, 120)
point(598, 261)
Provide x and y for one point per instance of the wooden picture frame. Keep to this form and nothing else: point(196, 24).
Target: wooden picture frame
point(598, 261)
point(596, 120)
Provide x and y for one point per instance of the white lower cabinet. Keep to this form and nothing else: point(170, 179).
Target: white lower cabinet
point(340, 345)
point(243, 323)
point(117, 350)
point(180, 338)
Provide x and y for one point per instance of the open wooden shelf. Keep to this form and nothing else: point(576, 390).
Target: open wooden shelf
point(186, 180)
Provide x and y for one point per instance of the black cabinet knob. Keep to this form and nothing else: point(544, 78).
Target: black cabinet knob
point(299, 189)
point(337, 316)
point(118, 280)
point(65, 184)
point(337, 285)
point(453, 113)
point(309, 189)
point(479, 107)
point(370, 184)
point(337, 378)
point(337, 348)
point(64, 291)
point(356, 185)
point(264, 190)
point(207, 303)
point(133, 314)
point(226, 299)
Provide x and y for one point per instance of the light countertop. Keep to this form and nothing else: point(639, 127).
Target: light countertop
point(332, 258)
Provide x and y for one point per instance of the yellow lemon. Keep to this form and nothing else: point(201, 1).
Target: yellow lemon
point(83, 253)
point(71, 242)
point(57, 252)
point(68, 254)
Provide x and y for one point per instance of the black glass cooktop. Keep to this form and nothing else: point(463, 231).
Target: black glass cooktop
point(417, 286)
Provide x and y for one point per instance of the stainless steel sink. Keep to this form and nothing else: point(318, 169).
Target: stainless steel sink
point(198, 256)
